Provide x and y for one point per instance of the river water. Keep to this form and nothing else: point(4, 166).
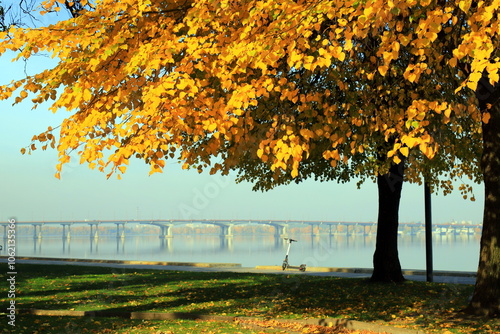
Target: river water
point(450, 252)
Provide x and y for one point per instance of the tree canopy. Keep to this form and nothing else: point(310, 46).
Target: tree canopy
point(215, 81)
point(276, 90)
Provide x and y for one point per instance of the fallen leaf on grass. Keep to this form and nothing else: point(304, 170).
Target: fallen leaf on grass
point(298, 327)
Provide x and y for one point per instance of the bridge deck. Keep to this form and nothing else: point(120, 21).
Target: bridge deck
point(226, 226)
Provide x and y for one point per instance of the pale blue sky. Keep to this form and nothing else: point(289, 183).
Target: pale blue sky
point(30, 192)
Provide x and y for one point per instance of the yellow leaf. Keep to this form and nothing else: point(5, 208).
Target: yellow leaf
point(404, 151)
point(410, 141)
point(427, 150)
point(486, 117)
point(306, 133)
point(383, 69)
point(465, 5)
point(341, 56)
point(87, 94)
point(294, 59)
point(212, 127)
point(472, 85)
point(412, 77)
point(473, 80)
point(494, 78)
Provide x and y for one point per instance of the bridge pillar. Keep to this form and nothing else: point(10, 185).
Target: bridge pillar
point(367, 230)
point(316, 230)
point(312, 229)
point(165, 231)
point(37, 231)
point(94, 234)
point(226, 230)
point(413, 230)
point(66, 234)
point(347, 230)
point(120, 233)
point(281, 231)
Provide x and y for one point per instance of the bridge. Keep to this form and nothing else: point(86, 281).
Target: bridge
point(226, 227)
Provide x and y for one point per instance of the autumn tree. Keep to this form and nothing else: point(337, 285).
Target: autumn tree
point(9, 15)
point(3, 27)
point(280, 91)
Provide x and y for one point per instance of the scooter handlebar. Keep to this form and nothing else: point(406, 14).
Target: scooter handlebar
point(291, 240)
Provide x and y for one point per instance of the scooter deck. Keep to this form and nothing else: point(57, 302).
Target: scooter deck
point(301, 267)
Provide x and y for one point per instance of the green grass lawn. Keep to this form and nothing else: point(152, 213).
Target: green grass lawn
point(76, 325)
point(432, 307)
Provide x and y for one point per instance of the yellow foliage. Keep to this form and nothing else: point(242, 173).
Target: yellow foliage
point(274, 80)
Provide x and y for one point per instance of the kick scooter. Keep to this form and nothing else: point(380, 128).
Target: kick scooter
point(285, 265)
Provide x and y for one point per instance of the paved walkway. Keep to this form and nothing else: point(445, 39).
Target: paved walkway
point(414, 275)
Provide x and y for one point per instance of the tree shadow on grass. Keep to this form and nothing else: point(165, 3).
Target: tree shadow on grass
point(107, 286)
point(39, 282)
point(272, 296)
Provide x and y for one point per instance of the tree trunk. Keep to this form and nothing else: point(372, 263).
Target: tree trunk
point(386, 266)
point(486, 297)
